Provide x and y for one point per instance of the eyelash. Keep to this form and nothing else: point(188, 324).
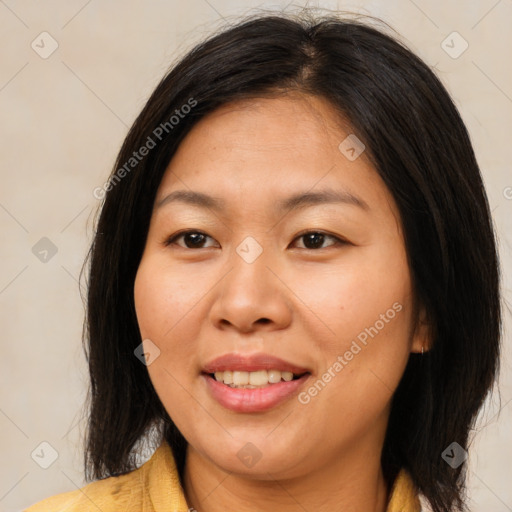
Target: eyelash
point(338, 241)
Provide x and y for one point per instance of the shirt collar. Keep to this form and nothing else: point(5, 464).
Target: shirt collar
point(165, 493)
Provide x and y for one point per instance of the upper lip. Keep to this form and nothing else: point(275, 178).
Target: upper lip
point(251, 363)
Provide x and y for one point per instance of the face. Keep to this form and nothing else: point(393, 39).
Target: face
point(320, 282)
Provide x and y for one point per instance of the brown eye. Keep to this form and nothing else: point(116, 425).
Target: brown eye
point(315, 239)
point(192, 239)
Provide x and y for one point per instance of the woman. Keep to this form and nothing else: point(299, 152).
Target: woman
point(293, 284)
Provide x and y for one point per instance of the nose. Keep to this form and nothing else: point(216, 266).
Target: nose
point(251, 297)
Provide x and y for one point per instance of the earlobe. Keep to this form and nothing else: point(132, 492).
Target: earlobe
point(422, 341)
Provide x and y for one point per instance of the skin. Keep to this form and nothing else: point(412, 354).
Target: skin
point(303, 303)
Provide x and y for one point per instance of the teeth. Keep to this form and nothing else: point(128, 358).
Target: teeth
point(259, 378)
point(240, 378)
point(287, 376)
point(274, 376)
point(252, 380)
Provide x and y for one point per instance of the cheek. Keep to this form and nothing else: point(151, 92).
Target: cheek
point(350, 297)
point(164, 308)
point(366, 305)
point(164, 304)
point(164, 298)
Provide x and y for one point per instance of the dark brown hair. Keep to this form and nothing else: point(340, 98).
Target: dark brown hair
point(420, 147)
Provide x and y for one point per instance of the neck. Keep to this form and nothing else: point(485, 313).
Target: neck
point(349, 482)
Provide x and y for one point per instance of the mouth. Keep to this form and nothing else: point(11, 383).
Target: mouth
point(254, 399)
point(252, 363)
point(252, 383)
point(259, 379)
point(249, 383)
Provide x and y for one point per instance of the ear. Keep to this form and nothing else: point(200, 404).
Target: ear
point(422, 337)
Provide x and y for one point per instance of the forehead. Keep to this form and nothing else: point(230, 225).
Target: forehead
point(267, 148)
point(289, 123)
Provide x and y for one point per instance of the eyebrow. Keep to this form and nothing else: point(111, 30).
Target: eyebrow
point(294, 202)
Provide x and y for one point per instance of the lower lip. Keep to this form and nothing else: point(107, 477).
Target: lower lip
point(253, 400)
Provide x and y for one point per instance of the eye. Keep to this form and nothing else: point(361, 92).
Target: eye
point(196, 239)
point(193, 239)
point(315, 239)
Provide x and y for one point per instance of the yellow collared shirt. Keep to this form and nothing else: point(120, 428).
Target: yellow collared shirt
point(155, 487)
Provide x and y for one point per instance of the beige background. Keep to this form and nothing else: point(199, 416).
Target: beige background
point(63, 120)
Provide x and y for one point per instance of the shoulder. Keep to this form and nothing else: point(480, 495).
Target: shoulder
point(112, 493)
point(125, 492)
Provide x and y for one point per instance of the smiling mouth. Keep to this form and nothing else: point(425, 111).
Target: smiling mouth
point(254, 380)
point(256, 391)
